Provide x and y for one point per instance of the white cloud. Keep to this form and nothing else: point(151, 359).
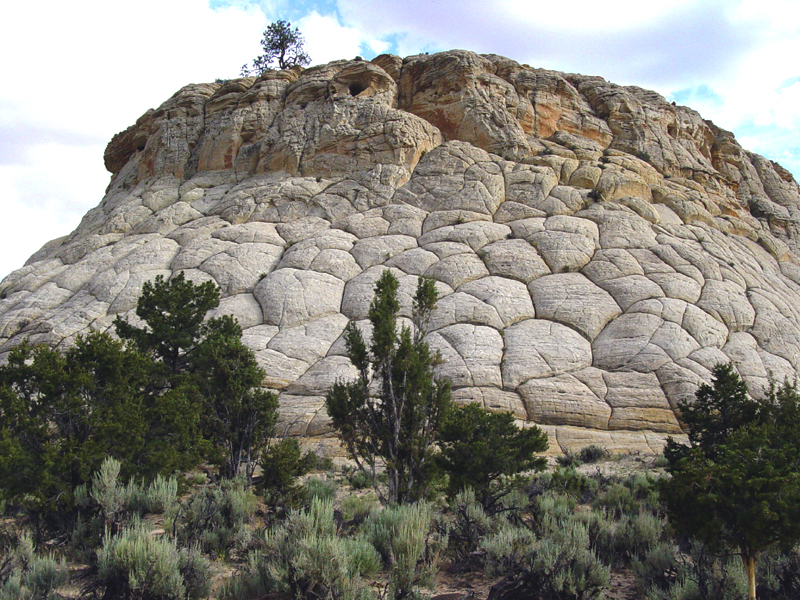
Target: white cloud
point(74, 74)
point(327, 40)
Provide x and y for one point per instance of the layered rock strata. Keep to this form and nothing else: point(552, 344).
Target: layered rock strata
point(597, 249)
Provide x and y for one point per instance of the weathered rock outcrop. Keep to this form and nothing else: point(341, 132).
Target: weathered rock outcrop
point(597, 249)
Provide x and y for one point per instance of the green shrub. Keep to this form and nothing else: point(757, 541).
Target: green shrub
point(470, 525)
point(281, 465)
point(355, 509)
point(160, 496)
point(405, 538)
point(25, 576)
point(660, 462)
point(567, 481)
point(556, 564)
point(592, 454)
point(486, 451)
point(304, 557)
point(216, 518)
point(703, 576)
point(779, 575)
point(359, 480)
point(631, 496)
point(135, 564)
point(316, 488)
point(657, 567)
point(568, 460)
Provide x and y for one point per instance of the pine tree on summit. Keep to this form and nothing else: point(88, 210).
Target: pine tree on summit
point(282, 46)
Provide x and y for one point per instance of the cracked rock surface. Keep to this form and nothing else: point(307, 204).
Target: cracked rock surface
point(597, 249)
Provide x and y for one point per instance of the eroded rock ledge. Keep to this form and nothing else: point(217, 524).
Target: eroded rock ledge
point(597, 249)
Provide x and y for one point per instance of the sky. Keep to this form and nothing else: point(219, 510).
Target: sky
point(75, 73)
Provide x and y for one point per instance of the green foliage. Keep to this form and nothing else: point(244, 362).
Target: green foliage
point(316, 488)
point(282, 46)
point(568, 460)
point(305, 558)
point(204, 378)
point(25, 576)
point(355, 509)
point(592, 454)
point(391, 413)
point(470, 525)
point(718, 411)
point(703, 576)
point(61, 413)
point(174, 312)
point(216, 519)
point(359, 480)
point(406, 540)
point(281, 465)
point(181, 385)
point(738, 483)
point(137, 565)
point(779, 575)
point(239, 417)
point(629, 497)
point(567, 481)
point(553, 560)
point(482, 450)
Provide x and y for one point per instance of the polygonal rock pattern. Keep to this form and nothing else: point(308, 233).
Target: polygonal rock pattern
point(597, 250)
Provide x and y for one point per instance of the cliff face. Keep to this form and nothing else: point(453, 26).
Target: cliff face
point(597, 249)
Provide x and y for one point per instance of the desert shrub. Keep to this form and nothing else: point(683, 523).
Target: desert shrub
point(660, 462)
point(160, 496)
point(555, 562)
point(639, 533)
point(115, 501)
point(136, 565)
point(703, 576)
point(629, 497)
point(109, 504)
point(406, 540)
point(216, 518)
point(469, 526)
point(359, 480)
point(316, 488)
point(567, 481)
point(657, 567)
point(355, 509)
point(304, 557)
point(568, 460)
point(592, 454)
point(779, 575)
point(25, 576)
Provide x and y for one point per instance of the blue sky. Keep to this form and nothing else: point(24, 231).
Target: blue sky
point(75, 73)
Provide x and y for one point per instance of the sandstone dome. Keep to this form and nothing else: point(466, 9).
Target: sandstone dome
point(597, 249)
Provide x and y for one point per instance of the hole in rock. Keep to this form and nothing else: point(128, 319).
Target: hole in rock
point(356, 88)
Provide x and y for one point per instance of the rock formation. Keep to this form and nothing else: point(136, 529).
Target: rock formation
point(597, 249)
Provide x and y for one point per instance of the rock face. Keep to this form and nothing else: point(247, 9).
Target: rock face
point(597, 249)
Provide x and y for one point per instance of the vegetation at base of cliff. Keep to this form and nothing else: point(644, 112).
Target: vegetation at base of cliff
point(100, 445)
point(180, 389)
point(737, 485)
point(391, 415)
